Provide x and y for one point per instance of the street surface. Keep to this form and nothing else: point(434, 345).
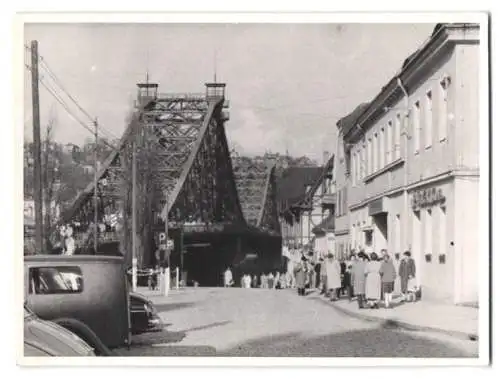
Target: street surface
point(278, 323)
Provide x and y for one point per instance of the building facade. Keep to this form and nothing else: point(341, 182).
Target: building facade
point(294, 185)
point(413, 166)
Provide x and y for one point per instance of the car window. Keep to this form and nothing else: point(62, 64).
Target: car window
point(53, 280)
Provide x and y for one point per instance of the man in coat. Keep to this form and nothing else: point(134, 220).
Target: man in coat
point(406, 272)
point(300, 277)
point(333, 276)
point(358, 279)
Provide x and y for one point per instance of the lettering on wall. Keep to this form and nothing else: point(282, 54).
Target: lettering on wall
point(427, 198)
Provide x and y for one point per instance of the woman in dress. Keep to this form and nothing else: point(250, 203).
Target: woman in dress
point(388, 275)
point(300, 278)
point(373, 282)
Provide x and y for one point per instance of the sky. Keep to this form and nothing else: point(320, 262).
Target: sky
point(288, 84)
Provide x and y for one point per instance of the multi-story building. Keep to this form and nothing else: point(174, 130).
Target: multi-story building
point(412, 166)
point(342, 186)
point(293, 186)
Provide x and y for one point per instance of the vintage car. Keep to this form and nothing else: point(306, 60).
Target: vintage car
point(47, 339)
point(143, 315)
point(87, 295)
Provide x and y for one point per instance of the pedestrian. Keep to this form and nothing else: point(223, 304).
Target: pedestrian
point(276, 280)
point(333, 277)
point(69, 242)
point(283, 281)
point(347, 278)
point(406, 273)
point(317, 272)
point(228, 278)
point(397, 282)
point(343, 268)
point(358, 279)
point(263, 281)
point(323, 276)
point(388, 276)
point(373, 284)
point(247, 281)
point(255, 281)
point(380, 258)
point(300, 278)
point(270, 281)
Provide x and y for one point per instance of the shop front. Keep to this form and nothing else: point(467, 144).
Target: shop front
point(432, 239)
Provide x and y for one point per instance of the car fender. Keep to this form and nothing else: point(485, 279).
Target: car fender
point(86, 334)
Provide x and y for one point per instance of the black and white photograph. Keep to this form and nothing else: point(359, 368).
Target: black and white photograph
point(248, 188)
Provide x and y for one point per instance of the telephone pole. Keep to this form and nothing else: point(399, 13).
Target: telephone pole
point(95, 187)
point(38, 197)
point(134, 213)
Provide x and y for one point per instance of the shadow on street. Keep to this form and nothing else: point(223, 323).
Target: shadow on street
point(173, 306)
point(379, 342)
point(208, 326)
point(169, 351)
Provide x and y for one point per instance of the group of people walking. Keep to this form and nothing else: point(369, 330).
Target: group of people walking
point(267, 281)
point(368, 278)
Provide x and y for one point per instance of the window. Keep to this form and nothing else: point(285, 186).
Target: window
point(369, 165)
point(363, 161)
point(389, 142)
point(339, 203)
point(442, 230)
point(443, 109)
point(397, 234)
point(375, 152)
point(353, 235)
point(354, 169)
point(368, 238)
point(416, 127)
point(345, 200)
point(55, 280)
point(428, 232)
point(358, 167)
point(382, 148)
point(397, 137)
point(428, 119)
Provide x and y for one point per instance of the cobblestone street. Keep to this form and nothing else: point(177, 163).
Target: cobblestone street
point(254, 322)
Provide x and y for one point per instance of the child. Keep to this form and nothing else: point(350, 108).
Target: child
point(414, 291)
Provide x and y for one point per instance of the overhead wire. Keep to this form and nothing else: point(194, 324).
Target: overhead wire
point(45, 66)
point(54, 94)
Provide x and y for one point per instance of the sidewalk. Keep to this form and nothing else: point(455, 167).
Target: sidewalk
point(457, 321)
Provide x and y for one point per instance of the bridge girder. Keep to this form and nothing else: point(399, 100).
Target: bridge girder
point(256, 183)
point(181, 154)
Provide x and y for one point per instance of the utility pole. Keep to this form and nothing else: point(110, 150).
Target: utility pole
point(95, 186)
point(134, 213)
point(166, 281)
point(38, 197)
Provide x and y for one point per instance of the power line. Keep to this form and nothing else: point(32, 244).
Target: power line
point(45, 66)
point(67, 109)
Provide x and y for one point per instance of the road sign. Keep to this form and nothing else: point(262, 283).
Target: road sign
point(162, 237)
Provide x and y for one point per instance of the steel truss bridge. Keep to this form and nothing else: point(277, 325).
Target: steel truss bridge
point(219, 208)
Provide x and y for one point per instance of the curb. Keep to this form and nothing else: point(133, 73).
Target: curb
point(395, 323)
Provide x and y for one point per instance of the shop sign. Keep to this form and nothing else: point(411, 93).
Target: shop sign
point(427, 197)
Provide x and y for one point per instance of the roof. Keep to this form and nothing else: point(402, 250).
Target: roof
point(326, 169)
point(327, 225)
point(293, 183)
point(349, 120)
